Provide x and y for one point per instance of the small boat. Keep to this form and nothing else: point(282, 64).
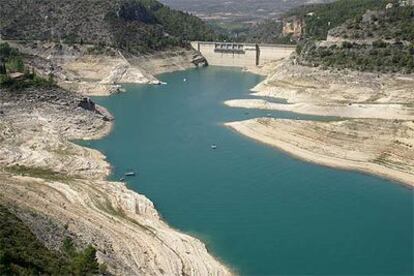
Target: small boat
point(130, 174)
point(184, 80)
point(122, 179)
point(163, 83)
point(213, 146)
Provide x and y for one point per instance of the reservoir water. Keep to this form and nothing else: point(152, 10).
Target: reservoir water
point(260, 211)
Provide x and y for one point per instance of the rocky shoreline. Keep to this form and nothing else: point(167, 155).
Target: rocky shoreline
point(361, 145)
point(59, 189)
point(94, 71)
point(373, 132)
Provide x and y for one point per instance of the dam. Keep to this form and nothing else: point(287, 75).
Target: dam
point(241, 54)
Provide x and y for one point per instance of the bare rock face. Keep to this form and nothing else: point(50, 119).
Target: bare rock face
point(87, 104)
point(293, 26)
point(122, 225)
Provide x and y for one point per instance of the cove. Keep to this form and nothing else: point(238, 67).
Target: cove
point(260, 211)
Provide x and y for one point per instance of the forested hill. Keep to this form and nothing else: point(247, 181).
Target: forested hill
point(378, 40)
point(134, 25)
point(320, 18)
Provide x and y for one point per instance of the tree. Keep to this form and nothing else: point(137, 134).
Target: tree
point(84, 262)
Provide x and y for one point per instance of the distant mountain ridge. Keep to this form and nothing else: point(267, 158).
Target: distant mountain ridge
point(242, 20)
point(134, 25)
point(253, 10)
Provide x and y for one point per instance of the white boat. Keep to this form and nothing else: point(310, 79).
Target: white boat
point(159, 83)
point(213, 146)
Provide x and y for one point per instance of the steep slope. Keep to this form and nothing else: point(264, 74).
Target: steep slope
point(320, 18)
point(362, 35)
point(134, 25)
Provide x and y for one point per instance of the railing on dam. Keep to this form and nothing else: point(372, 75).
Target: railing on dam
point(241, 54)
point(234, 48)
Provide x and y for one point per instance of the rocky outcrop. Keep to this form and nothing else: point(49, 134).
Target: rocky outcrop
point(293, 26)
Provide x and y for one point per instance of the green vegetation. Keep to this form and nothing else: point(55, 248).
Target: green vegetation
point(320, 18)
point(268, 31)
point(22, 254)
point(385, 37)
point(146, 25)
point(395, 23)
point(10, 59)
point(379, 57)
point(137, 26)
point(38, 173)
point(14, 74)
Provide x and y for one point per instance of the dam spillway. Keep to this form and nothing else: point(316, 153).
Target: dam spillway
point(241, 54)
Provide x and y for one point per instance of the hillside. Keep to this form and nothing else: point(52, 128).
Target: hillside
point(320, 18)
point(23, 254)
point(92, 46)
point(380, 40)
point(238, 11)
point(394, 23)
point(239, 20)
point(138, 26)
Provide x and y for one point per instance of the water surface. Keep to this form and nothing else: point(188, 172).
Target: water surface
point(259, 210)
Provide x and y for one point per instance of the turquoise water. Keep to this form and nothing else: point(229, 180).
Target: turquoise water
point(259, 210)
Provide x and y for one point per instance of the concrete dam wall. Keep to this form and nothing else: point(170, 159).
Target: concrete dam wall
point(241, 54)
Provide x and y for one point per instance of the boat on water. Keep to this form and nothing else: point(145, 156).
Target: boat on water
point(130, 173)
point(213, 146)
point(122, 179)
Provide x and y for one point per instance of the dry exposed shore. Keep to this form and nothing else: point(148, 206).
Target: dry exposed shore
point(384, 148)
point(94, 71)
point(375, 135)
point(59, 189)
